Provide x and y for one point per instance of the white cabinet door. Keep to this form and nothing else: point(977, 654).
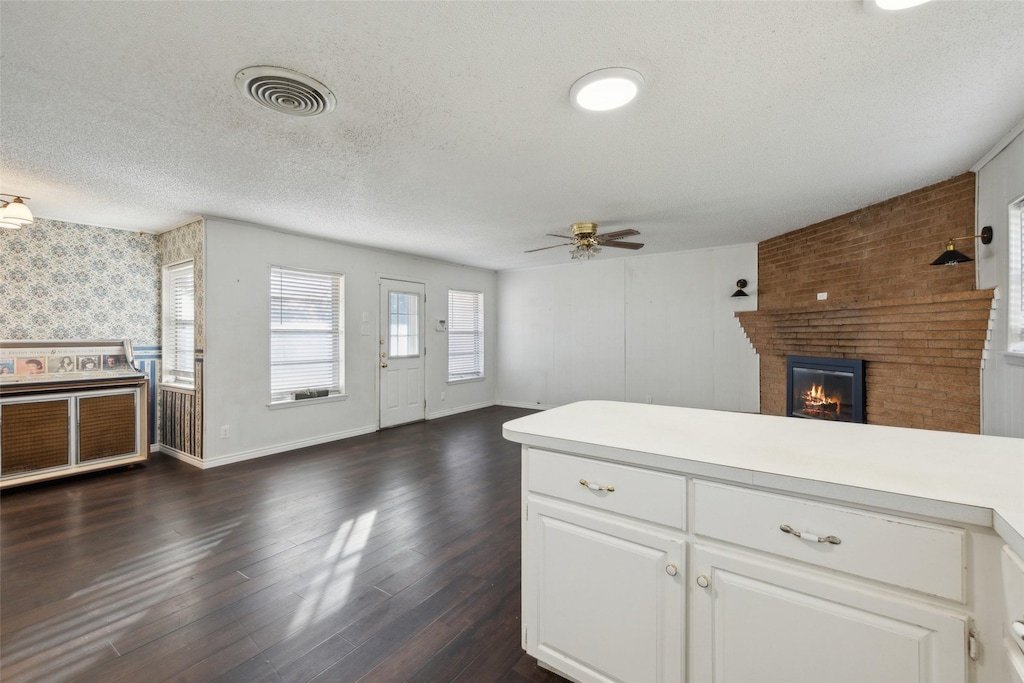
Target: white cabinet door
point(603, 599)
point(761, 620)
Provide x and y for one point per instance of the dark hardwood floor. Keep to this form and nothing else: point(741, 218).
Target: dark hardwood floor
point(392, 556)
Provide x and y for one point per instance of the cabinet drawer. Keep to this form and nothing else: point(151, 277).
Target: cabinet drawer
point(644, 494)
point(903, 552)
point(1013, 593)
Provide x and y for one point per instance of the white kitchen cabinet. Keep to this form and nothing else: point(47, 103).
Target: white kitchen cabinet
point(602, 599)
point(762, 620)
point(830, 553)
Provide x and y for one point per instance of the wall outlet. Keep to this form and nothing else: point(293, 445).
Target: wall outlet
point(442, 395)
point(650, 399)
point(225, 431)
point(822, 296)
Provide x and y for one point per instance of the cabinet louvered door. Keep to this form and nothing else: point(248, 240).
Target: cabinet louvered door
point(106, 426)
point(35, 436)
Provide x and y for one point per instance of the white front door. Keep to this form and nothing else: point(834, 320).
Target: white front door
point(402, 376)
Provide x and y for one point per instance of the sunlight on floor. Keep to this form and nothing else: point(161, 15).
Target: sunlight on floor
point(330, 588)
point(59, 649)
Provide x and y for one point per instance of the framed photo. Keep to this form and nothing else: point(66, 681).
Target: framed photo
point(29, 366)
point(60, 364)
point(88, 363)
point(6, 366)
point(115, 362)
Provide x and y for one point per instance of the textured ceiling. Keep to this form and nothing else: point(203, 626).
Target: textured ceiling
point(454, 138)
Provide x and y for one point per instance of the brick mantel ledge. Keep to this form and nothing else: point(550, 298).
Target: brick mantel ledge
point(948, 329)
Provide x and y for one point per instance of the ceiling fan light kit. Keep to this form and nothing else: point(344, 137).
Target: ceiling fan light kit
point(586, 243)
point(14, 213)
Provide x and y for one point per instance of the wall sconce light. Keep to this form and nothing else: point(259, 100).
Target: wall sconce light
point(14, 214)
point(951, 256)
point(740, 284)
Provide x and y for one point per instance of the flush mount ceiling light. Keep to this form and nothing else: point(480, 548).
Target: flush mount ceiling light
point(285, 91)
point(951, 256)
point(606, 89)
point(892, 5)
point(14, 213)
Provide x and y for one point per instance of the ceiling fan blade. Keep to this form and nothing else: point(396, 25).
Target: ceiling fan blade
point(618, 234)
point(561, 237)
point(623, 245)
point(551, 247)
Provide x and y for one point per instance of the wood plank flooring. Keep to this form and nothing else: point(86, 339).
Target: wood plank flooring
point(392, 556)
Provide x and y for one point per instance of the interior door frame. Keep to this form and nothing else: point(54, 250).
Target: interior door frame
point(382, 323)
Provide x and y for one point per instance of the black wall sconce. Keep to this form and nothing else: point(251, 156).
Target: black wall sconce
point(951, 256)
point(740, 284)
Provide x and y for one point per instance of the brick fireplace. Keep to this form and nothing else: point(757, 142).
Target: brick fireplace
point(921, 330)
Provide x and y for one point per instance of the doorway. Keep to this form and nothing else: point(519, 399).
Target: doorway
point(402, 351)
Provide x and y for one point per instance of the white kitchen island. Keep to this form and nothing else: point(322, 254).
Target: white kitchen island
point(671, 544)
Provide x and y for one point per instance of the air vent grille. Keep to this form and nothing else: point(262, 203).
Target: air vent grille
point(285, 91)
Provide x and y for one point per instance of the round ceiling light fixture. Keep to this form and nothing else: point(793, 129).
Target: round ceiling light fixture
point(285, 91)
point(606, 89)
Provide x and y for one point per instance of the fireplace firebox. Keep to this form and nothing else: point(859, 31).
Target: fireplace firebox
point(825, 388)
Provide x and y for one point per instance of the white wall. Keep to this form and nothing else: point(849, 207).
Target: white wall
point(1000, 182)
point(661, 326)
point(237, 373)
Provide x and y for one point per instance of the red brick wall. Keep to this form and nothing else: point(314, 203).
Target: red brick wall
point(920, 329)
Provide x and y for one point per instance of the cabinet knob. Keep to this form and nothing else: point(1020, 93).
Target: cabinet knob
point(703, 581)
point(1018, 629)
point(672, 569)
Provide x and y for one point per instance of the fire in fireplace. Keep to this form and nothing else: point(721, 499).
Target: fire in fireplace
point(825, 388)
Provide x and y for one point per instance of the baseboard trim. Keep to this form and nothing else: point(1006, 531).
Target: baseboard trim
point(522, 404)
point(178, 455)
point(462, 409)
point(281, 448)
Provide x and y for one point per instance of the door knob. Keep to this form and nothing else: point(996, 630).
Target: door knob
point(383, 364)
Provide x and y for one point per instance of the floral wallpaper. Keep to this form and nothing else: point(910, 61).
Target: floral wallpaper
point(181, 421)
point(181, 244)
point(62, 280)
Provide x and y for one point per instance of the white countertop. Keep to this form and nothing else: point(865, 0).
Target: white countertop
point(960, 477)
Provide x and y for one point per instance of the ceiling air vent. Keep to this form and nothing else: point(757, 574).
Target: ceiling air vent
point(285, 91)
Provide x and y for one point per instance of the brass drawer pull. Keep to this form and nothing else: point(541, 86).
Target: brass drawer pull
point(597, 487)
point(810, 538)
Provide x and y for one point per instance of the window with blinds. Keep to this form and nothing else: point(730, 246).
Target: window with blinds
point(306, 334)
point(465, 335)
point(179, 322)
point(1015, 322)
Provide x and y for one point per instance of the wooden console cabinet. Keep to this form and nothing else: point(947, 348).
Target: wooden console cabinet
point(54, 424)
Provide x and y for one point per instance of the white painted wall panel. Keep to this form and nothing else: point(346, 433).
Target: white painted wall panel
point(624, 329)
point(1000, 182)
point(670, 323)
point(561, 333)
point(737, 372)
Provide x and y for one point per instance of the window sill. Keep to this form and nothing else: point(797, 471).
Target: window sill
point(1013, 358)
point(464, 380)
point(277, 405)
point(182, 388)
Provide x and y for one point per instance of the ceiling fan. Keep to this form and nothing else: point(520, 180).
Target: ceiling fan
point(586, 243)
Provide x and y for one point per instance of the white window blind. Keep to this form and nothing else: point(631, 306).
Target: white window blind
point(306, 314)
point(179, 324)
point(465, 335)
point(1015, 323)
